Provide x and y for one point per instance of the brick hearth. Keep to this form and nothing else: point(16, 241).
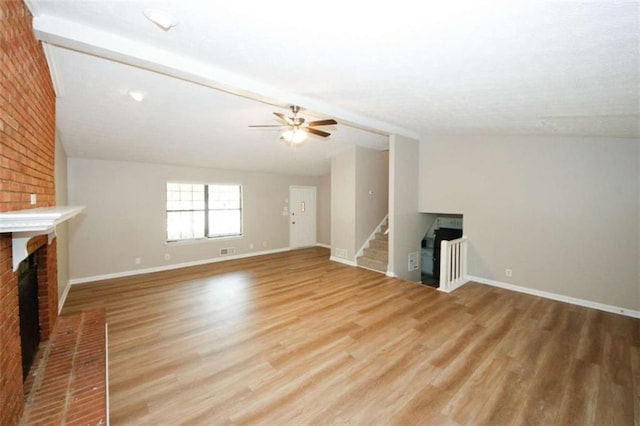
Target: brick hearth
point(68, 382)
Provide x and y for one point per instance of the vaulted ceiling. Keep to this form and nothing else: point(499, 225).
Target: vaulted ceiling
point(402, 67)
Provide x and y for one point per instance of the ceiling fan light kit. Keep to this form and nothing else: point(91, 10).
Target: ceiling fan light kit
point(295, 131)
point(295, 136)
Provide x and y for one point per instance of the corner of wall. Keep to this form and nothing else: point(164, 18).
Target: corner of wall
point(405, 221)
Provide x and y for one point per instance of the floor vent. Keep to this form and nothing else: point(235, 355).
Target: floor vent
point(227, 251)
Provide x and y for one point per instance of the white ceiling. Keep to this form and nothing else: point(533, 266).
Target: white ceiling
point(412, 68)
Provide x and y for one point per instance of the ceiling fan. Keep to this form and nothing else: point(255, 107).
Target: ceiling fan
point(296, 130)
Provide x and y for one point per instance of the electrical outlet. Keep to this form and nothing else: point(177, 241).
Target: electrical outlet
point(137, 260)
point(508, 272)
point(33, 199)
point(167, 256)
point(251, 246)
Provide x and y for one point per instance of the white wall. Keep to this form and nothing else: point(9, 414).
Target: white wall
point(324, 209)
point(372, 192)
point(62, 243)
point(406, 225)
point(125, 216)
point(562, 213)
point(354, 213)
point(343, 203)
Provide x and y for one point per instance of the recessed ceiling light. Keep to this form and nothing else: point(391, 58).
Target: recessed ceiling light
point(161, 18)
point(136, 95)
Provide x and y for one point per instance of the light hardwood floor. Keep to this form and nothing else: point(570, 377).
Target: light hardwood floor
point(293, 338)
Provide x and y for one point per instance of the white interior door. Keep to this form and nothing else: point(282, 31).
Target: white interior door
point(302, 216)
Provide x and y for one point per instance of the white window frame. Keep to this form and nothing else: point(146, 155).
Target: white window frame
point(206, 212)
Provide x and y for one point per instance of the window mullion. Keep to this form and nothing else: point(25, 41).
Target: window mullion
point(206, 211)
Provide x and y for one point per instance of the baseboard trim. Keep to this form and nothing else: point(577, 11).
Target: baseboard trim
point(62, 299)
point(455, 287)
point(371, 269)
point(171, 267)
point(390, 274)
point(343, 261)
point(327, 246)
point(559, 297)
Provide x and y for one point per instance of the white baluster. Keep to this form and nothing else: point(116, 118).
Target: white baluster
point(453, 263)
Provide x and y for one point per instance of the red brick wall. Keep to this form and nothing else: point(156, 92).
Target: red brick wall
point(27, 147)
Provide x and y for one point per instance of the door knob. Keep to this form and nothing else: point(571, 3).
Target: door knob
point(293, 223)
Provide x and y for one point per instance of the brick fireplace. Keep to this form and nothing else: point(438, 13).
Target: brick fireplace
point(27, 148)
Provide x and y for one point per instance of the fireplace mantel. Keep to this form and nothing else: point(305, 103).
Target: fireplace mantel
point(29, 223)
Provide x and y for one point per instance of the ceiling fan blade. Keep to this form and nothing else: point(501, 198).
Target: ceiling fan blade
point(317, 132)
point(283, 117)
point(323, 122)
point(268, 125)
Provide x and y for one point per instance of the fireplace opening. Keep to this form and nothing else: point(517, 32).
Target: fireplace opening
point(28, 310)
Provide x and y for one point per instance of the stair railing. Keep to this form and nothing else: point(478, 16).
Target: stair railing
point(453, 264)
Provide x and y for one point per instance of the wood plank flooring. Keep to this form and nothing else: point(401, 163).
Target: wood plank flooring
point(293, 338)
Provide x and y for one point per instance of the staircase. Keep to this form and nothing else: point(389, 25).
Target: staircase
point(376, 256)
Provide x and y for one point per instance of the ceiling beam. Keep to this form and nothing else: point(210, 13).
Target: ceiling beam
point(75, 36)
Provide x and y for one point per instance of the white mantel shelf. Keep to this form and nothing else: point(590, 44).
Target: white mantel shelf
point(26, 224)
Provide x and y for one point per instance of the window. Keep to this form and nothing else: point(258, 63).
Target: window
point(197, 210)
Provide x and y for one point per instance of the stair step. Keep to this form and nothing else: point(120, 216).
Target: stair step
point(377, 254)
point(373, 264)
point(379, 244)
point(382, 236)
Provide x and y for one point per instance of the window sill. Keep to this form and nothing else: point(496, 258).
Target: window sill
point(202, 240)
